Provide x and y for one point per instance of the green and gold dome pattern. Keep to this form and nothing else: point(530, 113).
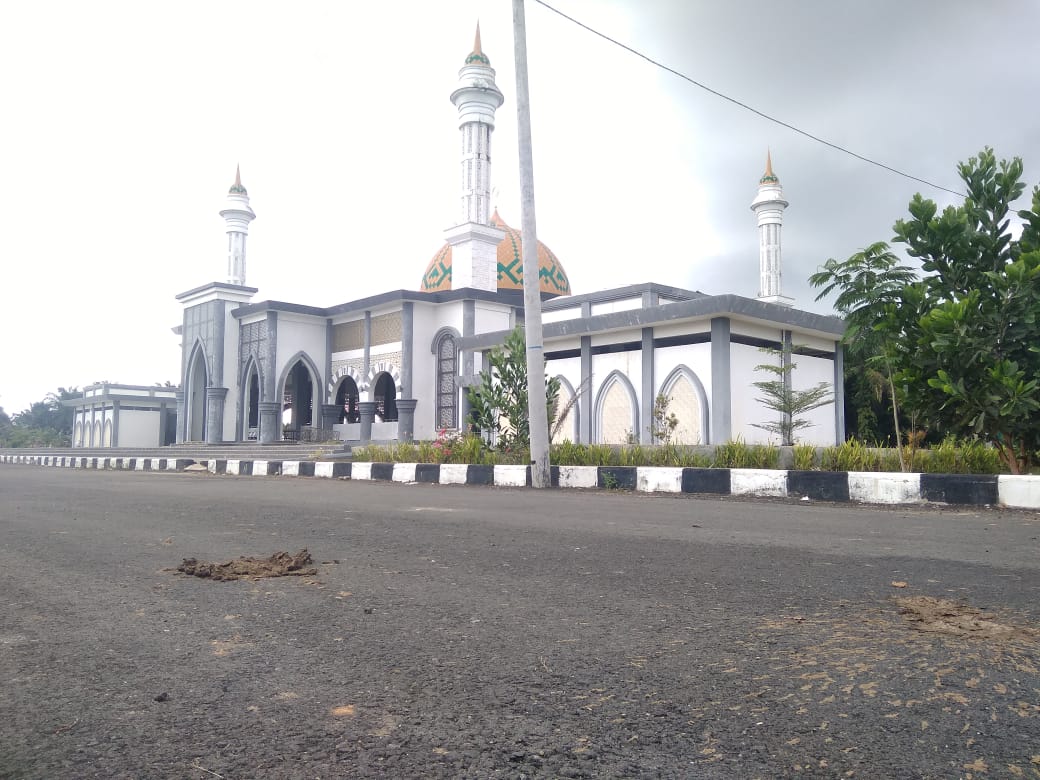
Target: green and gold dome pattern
point(552, 279)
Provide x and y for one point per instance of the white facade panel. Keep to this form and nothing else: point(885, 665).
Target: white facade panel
point(139, 428)
point(625, 304)
point(560, 315)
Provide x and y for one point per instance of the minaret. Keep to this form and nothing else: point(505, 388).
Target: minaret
point(769, 207)
point(475, 241)
point(237, 215)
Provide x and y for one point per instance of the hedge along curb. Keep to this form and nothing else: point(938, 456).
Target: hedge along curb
point(870, 487)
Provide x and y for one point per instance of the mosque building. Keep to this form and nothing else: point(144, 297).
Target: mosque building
point(396, 366)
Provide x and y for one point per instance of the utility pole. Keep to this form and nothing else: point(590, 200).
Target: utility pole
point(539, 423)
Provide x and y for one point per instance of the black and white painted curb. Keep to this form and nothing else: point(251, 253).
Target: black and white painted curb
point(865, 487)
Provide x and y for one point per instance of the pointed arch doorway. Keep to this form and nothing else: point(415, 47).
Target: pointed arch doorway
point(196, 402)
point(297, 401)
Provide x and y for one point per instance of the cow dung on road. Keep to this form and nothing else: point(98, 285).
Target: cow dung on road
point(281, 564)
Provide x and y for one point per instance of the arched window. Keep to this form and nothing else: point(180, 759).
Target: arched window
point(616, 410)
point(347, 397)
point(385, 396)
point(688, 402)
point(447, 370)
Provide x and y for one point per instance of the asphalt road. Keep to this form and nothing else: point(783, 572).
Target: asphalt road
point(481, 632)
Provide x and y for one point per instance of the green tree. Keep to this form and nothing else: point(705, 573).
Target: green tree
point(779, 395)
point(960, 343)
point(973, 362)
point(499, 402)
point(871, 286)
point(5, 424)
point(46, 423)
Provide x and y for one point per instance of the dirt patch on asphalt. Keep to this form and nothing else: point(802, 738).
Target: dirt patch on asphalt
point(942, 616)
point(281, 564)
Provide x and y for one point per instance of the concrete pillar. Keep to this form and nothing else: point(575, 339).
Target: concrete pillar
point(407, 347)
point(367, 411)
point(720, 421)
point(115, 422)
point(181, 416)
point(839, 393)
point(586, 402)
point(215, 414)
point(270, 422)
point(469, 327)
point(406, 418)
point(329, 416)
point(646, 390)
point(366, 365)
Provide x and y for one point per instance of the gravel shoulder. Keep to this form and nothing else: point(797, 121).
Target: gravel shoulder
point(479, 632)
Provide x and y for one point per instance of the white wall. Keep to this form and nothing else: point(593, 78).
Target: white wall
point(745, 409)
point(808, 372)
point(301, 334)
point(428, 320)
point(230, 369)
point(625, 304)
point(560, 315)
point(139, 428)
point(488, 318)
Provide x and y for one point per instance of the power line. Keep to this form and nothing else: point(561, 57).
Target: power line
point(745, 106)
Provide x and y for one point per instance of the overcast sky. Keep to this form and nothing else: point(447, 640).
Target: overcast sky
point(123, 123)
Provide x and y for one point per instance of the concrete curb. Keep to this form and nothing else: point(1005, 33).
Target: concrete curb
point(1019, 492)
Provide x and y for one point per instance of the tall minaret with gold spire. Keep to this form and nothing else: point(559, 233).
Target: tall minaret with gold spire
point(237, 215)
point(769, 207)
point(474, 240)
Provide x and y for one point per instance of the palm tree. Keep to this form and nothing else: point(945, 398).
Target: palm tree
point(876, 298)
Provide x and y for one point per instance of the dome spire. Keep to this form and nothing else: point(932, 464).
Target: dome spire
point(477, 55)
point(237, 188)
point(769, 177)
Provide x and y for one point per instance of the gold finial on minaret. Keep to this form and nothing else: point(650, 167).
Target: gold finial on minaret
point(237, 187)
point(769, 177)
point(477, 55)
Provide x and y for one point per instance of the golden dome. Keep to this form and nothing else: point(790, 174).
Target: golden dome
point(551, 276)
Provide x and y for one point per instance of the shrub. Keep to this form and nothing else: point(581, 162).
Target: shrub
point(804, 457)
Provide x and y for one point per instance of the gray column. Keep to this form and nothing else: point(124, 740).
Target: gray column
point(115, 422)
point(215, 414)
point(585, 388)
point(586, 310)
point(721, 418)
point(163, 412)
point(647, 396)
point(328, 361)
point(181, 416)
point(406, 418)
point(367, 366)
point(407, 346)
point(269, 392)
point(786, 354)
point(367, 411)
point(649, 299)
point(839, 393)
point(270, 421)
point(216, 371)
point(329, 416)
point(469, 325)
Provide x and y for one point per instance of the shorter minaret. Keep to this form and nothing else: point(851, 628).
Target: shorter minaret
point(474, 241)
point(237, 214)
point(769, 207)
